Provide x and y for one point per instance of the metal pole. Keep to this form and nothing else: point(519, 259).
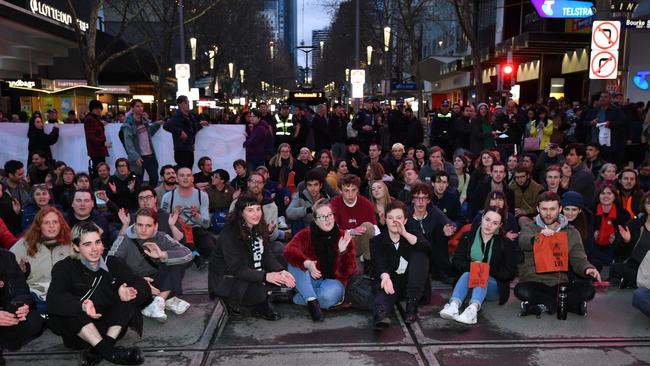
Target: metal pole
point(603, 12)
point(356, 35)
point(181, 29)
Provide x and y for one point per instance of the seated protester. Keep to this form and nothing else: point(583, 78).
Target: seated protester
point(7, 239)
point(641, 297)
point(607, 176)
point(580, 178)
point(538, 291)
point(552, 155)
point(355, 158)
point(509, 224)
point(341, 170)
point(10, 212)
point(41, 197)
point(302, 165)
point(427, 220)
point(630, 194)
point(282, 163)
point(525, 191)
point(610, 220)
point(401, 267)
point(354, 212)
point(485, 246)
point(39, 171)
point(18, 324)
point(593, 161)
point(553, 180)
point(167, 222)
point(220, 195)
point(380, 198)
point(103, 177)
point(408, 163)
point(394, 159)
point(83, 210)
point(483, 168)
point(14, 181)
point(573, 208)
point(168, 181)
point(301, 207)
point(275, 191)
point(436, 163)
point(122, 185)
point(157, 257)
point(64, 188)
point(240, 182)
point(644, 175)
point(89, 313)
point(46, 242)
point(192, 206)
point(410, 177)
point(445, 199)
point(203, 178)
point(242, 263)
point(321, 258)
point(495, 182)
point(635, 243)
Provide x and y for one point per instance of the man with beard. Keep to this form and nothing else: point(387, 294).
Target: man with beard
point(629, 192)
point(495, 182)
point(582, 180)
point(168, 175)
point(526, 191)
point(539, 291)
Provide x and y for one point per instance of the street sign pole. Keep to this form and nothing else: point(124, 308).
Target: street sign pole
point(603, 12)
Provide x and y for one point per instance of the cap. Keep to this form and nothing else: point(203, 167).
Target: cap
point(445, 103)
point(572, 198)
point(285, 106)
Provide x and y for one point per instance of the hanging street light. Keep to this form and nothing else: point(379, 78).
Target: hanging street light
point(386, 38)
point(193, 47)
point(211, 55)
point(322, 44)
point(369, 51)
point(231, 68)
point(241, 76)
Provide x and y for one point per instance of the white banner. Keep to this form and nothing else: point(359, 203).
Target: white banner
point(222, 143)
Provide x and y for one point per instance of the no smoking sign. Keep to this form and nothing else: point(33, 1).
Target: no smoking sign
point(603, 64)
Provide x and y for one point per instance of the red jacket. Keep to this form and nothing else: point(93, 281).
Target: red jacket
point(7, 239)
point(300, 249)
point(95, 136)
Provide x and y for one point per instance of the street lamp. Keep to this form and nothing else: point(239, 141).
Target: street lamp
point(322, 43)
point(386, 38)
point(211, 55)
point(369, 51)
point(272, 48)
point(193, 47)
point(347, 75)
point(231, 67)
point(241, 76)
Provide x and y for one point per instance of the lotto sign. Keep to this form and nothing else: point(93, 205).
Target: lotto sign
point(603, 64)
point(605, 35)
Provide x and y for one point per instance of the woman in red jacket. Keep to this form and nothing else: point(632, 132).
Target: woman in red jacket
point(321, 258)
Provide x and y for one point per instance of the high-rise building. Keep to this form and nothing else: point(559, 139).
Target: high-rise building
point(282, 16)
point(317, 36)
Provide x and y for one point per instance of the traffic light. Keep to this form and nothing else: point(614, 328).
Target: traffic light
point(508, 76)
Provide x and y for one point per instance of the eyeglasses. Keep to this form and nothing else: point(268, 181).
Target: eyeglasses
point(145, 198)
point(256, 182)
point(325, 217)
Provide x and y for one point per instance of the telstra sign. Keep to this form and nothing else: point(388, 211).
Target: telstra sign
point(563, 8)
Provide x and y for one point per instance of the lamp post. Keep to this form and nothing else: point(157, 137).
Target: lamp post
point(322, 44)
point(386, 38)
point(387, 59)
point(231, 68)
point(241, 76)
point(369, 52)
point(211, 56)
point(193, 47)
point(272, 49)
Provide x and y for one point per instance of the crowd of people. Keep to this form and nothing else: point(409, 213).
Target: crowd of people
point(329, 212)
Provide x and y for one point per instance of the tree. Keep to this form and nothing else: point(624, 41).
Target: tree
point(467, 13)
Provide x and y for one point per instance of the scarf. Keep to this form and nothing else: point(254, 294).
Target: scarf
point(606, 228)
point(477, 252)
point(325, 245)
point(488, 142)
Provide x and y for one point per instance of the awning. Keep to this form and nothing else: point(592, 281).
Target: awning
point(76, 88)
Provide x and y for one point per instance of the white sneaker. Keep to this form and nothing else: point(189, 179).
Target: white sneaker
point(468, 316)
point(176, 305)
point(282, 223)
point(450, 311)
point(156, 310)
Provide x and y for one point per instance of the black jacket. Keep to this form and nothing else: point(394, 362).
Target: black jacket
point(477, 198)
point(461, 133)
point(233, 258)
point(14, 285)
point(385, 259)
point(503, 263)
point(39, 140)
point(183, 123)
point(322, 137)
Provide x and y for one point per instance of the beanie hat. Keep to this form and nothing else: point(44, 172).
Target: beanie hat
point(572, 198)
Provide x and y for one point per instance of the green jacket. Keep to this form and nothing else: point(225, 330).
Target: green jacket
point(131, 143)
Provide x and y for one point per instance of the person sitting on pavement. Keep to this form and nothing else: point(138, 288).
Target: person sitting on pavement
point(354, 212)
point(321, 259)
point(83, 210)
point(525, 191)
point(240, 181)
point(242, 263)
point(167, 181)
point(610, 221)
point(157, 257)
point(401, 267)
point(484, 249)
point(18, 324)
point(167, 222)
point(641, 296)
point(445, 198)
point(203, 177)
point(91, 314)
point(538, 290)
point(221, 195)
point(630, 193)
point(122, 185)
point(380, 198)
point(495, 182)
point(509, 223)
point(41, 197)
point(46, 242)
point(300, 210)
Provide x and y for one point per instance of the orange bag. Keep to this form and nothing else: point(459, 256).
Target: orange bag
point(291, 182)
point(187, 230)
point(452, 244)
point(479, 273)
point(551, 252)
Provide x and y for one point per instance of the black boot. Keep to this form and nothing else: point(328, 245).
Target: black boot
point(381, 318)
point(265, 311)
point(411, 312)
point(315, 311)
point(89, 357)
point(528, 308)
point(126, 356)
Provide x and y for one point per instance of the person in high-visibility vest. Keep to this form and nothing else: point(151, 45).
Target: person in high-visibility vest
point(283, 129)
point(441, 125)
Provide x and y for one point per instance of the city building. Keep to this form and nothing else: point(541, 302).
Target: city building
point(317, 36)
point(282, 16)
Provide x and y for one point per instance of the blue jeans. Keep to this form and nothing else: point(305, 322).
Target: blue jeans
point(641, 300)
point(491, 292)
point(329, 292)
point(41, 305)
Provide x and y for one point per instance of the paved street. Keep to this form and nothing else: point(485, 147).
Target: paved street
point(613, 334)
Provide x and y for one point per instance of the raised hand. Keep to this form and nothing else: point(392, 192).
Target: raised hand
point(153, 250)
point(625, 233)
point(344, 241)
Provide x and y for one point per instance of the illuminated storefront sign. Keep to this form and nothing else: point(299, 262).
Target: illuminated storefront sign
point(641, 79)
point(51, 12)
point(563, 8)
point(27, 84)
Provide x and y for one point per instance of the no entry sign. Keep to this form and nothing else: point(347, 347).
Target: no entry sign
point(603, 64)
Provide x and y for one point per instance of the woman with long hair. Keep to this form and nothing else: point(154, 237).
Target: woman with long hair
point(488, 246)
point(281, 164)
point(482, 166)
point(635, 246)
point(461, 163)
point(242, 262)
point(321, 258)
point(380, 198)
point(39, 140)
point(482, 134)
point(610, 220)
point(46, 242)
point(509, 223)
